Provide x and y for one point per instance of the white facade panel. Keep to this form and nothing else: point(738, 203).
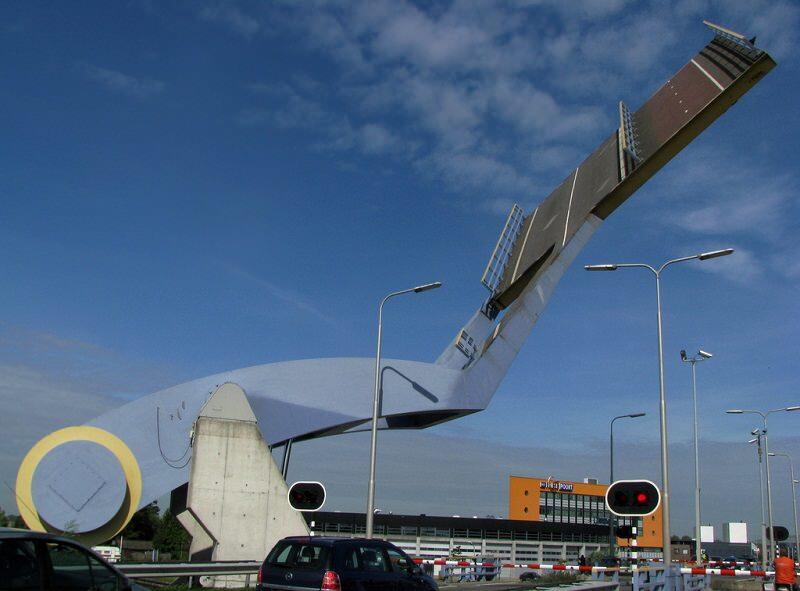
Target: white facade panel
point(706, 533)
point(734, 532)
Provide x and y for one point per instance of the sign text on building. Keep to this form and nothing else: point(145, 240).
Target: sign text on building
point(555, 486)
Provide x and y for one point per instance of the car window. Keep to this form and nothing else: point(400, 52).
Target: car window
point(104, 578)
point(398, 560)
point(280, 555)
point(310, 557)
point(373, 559)
point(71, 570)
point(19, 569)
point(351, 561)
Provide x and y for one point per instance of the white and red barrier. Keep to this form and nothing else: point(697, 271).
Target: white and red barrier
point(725, 572)
point(697, 570)
point(532, 566)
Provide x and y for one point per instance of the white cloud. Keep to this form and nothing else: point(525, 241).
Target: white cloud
point(715, 194)
point(139, 88)
point(774, 22)
point(743, 266)
point(281, 294)
point(231, 16)
point(480, 91)
point(375, 139)
point(756, 213)
point(48, 381)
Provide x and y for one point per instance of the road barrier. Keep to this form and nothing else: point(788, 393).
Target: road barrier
point(157, 570)
point(643, 578)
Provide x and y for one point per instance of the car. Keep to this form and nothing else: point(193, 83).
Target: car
point(340, 564)
point(37, 561)
point(529, 575)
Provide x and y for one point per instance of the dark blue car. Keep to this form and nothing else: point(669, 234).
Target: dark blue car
point(337, 564)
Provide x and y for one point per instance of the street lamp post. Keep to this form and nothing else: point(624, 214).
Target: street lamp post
point(794, 497)
point(662, 409)
point(611, 519)
point(375, 402)
point(764, 416)
point(701, 356)
point(757, 440)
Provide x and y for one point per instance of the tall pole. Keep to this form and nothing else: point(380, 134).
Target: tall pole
point(696, 467)
point(772, 546)
point(376, 403)
point(794, 497)
point(764, 415)
point(701, 356)
point(374, 436)
point(763, 516)
point(611, 516)
point(794, 508)
point(662, 407)
point(796, 529)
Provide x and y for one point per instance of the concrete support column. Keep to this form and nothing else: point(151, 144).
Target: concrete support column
point(237, 504)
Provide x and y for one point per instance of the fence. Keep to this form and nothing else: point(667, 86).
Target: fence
point(648, 578)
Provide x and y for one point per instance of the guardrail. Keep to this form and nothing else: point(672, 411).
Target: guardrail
point(155, 570)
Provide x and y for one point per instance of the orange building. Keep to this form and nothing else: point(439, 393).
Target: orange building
point(562, 501)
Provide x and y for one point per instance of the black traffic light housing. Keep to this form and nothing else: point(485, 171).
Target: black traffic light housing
point(306, 496)
point(624, 531)
point(637, 498)
point(781, 533)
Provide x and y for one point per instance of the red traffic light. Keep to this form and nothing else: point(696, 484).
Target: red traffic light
point(628, 498)
point(306, 496)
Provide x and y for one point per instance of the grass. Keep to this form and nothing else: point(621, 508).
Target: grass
point(556, 579)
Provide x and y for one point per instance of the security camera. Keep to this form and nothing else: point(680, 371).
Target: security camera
point(683, 354)
point(755, 431)
point(705, 354)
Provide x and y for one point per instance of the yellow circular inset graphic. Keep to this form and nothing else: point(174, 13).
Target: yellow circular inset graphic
point(126, 459)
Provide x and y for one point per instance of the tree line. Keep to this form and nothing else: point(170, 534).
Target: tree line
point(147, 524)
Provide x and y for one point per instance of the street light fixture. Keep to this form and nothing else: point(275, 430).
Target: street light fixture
point(794, 496)
point(611, 519)
point(662, 409)
point(714, 254)
point(764, 415)
point(701, 356)
point(375, 402)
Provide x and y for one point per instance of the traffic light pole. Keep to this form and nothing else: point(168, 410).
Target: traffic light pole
point(772, 546)
point(764, 551)
point(697, 523)
point(611, 516)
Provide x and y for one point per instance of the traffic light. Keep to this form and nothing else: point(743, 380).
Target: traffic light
point(624, 531)
point(781, 533)
point(306, 496)
point(633, 498)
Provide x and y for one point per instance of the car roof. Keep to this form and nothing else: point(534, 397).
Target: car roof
point(329, 541)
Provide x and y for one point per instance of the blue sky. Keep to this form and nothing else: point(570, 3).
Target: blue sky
point(193, 187)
